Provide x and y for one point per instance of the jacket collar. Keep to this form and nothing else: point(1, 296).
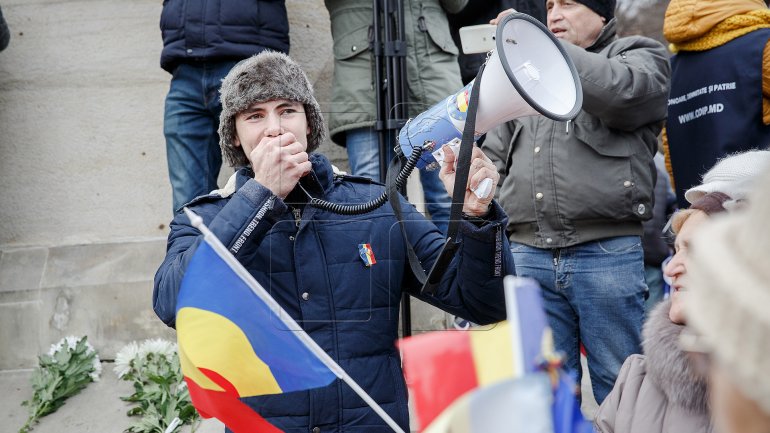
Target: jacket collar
point(668, 365)
point(606, 35)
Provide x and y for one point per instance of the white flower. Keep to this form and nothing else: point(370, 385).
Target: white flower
point(124, 358)
point(158, 346)
point(71, 341)
point(97, 368)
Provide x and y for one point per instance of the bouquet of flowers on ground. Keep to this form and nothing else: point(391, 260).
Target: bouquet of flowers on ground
point(160, 395)
point(65, 370)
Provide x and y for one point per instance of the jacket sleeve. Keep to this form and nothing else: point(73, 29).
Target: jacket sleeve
point(630, 88)
point(454, 6)
point(240, 225)
point(472, 286)
point(619, 408)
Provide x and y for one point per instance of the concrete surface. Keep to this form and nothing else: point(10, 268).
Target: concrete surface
point(97, 409)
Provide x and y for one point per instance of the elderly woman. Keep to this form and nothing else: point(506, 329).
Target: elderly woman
point(729, 310)
point(661, 391)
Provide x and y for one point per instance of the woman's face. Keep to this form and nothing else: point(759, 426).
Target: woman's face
point(676, 269)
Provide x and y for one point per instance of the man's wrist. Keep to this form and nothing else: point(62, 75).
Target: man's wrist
point(478, 219)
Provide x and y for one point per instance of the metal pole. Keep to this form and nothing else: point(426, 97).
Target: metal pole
point(389, 49)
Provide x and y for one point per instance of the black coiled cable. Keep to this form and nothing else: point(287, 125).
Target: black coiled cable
point(358, 209)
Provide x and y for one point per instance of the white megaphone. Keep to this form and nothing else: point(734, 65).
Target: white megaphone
point(528, 73)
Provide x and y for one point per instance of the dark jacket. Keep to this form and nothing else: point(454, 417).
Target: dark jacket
point(564, 184)
point(659, 392)
point(480, 12)
point(312, 267)
point(654, 243)
point(218, 30)
point(5, 33)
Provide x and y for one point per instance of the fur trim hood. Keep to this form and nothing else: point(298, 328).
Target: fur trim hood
point(667, 364)
point(264, 77)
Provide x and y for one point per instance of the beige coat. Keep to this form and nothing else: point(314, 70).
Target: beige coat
point(659, 392)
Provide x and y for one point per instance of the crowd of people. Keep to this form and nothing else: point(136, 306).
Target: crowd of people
point(585, 207)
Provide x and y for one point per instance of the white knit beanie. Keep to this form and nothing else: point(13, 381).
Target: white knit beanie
point(730, 301)
point(733, 175)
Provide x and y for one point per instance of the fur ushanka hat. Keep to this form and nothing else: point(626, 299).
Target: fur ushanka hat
point(264, 77)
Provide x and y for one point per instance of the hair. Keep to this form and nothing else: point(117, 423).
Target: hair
point(710, 204)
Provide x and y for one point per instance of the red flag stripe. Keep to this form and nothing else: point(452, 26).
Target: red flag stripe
point(226, 406)
point(435, 389)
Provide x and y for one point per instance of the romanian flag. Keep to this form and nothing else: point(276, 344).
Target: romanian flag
point(442, 366)
point(234, 343)
point(528, 404)
point(521, 405)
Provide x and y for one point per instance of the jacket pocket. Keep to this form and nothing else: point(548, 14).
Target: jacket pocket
point(590, 131)
point(352, 44)
point(433, 21)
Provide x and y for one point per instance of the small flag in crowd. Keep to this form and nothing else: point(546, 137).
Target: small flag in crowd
point(236, 341)
point(476, 358)
point(470, 358)
point(521, 405)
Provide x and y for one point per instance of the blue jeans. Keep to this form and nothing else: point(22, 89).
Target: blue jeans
point(653, 276)
point(593, 294)
point(190, 125)
point(363, 155)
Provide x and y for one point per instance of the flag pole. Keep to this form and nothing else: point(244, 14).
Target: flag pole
point(290, 323)
point(511, 284)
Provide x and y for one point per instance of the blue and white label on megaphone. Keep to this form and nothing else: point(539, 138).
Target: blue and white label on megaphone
point(440, 124)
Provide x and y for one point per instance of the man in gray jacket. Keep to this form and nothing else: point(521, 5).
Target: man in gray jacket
point(576, 193)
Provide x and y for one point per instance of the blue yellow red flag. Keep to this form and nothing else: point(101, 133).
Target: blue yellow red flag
point(232, 345)
point(236, 341)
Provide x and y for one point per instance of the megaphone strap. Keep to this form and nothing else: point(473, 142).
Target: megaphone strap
point(458, 194)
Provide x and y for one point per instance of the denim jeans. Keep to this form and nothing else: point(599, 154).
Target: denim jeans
point(190, 125)
point(653, 276)
point(363, 155)
point(593, 294)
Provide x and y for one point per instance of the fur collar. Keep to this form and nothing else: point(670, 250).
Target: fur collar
point(668, 366)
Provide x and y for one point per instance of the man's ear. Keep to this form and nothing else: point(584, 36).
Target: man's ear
point(236, 141)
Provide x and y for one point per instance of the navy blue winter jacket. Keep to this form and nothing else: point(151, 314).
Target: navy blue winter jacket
point(218, 30)
point(312, 267)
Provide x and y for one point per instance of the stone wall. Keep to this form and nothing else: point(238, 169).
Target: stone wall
point(85, 195)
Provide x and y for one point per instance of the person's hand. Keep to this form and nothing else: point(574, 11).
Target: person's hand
point(279, 162)
point(495, 21)
point(481, 168)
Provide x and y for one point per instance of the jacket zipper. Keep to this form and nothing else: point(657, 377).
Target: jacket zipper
point(297, 216)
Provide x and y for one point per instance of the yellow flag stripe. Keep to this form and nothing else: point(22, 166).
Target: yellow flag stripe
point(213, 342)
point(492, 353)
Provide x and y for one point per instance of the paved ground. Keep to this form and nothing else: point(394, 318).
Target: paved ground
point(97, 409)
